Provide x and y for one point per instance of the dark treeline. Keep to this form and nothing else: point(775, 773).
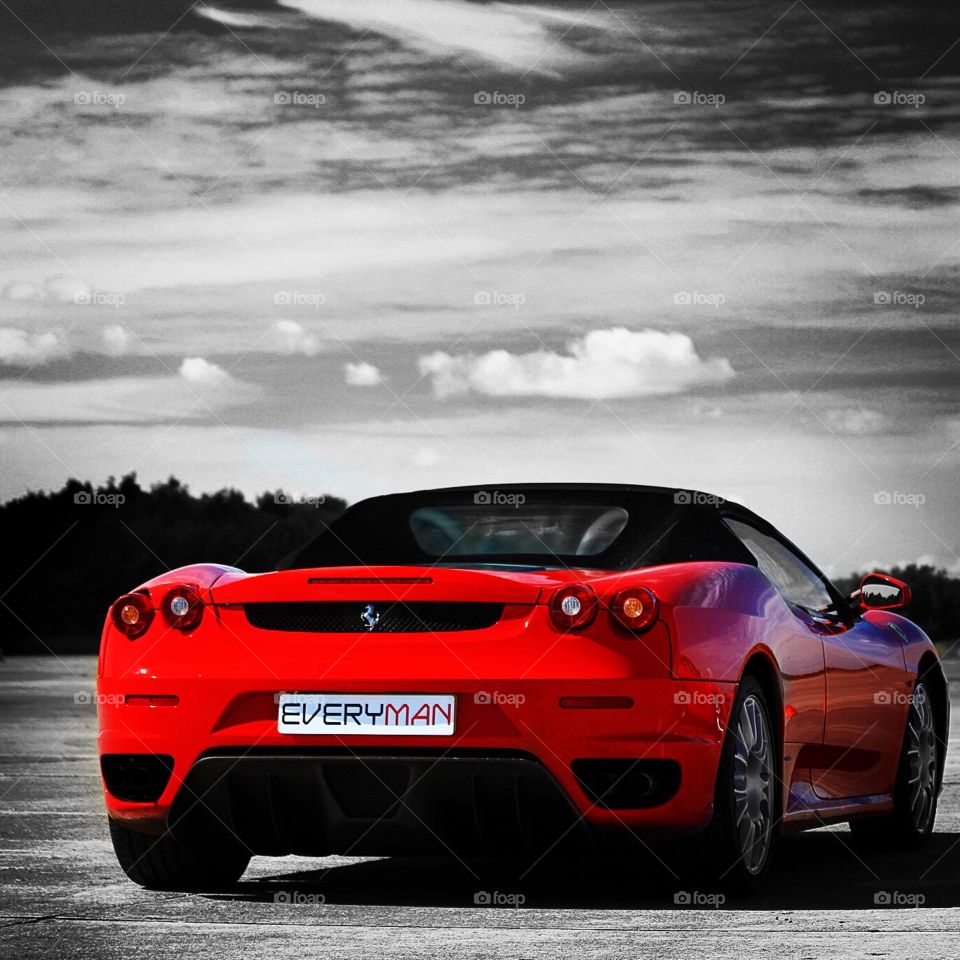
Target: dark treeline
point(67, 555)
point(936, 599)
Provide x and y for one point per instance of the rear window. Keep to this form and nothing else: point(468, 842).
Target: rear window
point(603, 529)
point(519, 530)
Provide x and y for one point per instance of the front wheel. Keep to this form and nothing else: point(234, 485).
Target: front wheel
point(162, 863)
point(740, 838)
point(918, 780)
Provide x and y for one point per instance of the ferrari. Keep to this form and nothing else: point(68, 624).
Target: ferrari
point(489, 672)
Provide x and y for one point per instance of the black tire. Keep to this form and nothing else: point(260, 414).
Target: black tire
point(746, 790)
point(161, 863)
point(916, 790)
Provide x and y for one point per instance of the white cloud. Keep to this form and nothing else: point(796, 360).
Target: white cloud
point(19, 346)
point(362, 374)
point(856, 421)
point(20, 290)
point(66, 290)
point(290, 337)
point(427, 457)
point(604, 363)
point(119, 400)
point(116, 339)
point(198, 370)
point(521, 37)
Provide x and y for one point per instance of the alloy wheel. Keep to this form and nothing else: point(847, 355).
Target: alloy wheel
point(753, 784)
point(921, 759)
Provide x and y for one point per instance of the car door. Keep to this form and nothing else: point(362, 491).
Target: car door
point(865, 675)
point(867, 700)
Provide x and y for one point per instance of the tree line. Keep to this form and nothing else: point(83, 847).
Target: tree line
point(67, 555)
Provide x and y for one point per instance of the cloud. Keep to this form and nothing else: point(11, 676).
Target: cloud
point(856, 421)
point(198, 370)
point(362, 374)
point(290, 337)
point(603, 364)
point(116, 339)
point(518, 37)
point(66, 290)
point(20, 290)
point(19, 346)
point(119, 400)
point(230, 18)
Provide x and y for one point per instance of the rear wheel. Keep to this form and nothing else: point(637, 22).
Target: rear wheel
point(918, 779)
point(740, 838)
point(163, 863)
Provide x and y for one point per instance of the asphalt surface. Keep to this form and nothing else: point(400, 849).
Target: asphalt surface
point(63, 895)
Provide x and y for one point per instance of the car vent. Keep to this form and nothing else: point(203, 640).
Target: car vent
point(356, 616)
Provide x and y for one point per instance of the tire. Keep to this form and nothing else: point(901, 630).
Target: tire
point(161, 863)
point(741, 836)
point(917, 786)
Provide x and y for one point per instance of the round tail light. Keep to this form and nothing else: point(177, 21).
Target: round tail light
point(573, 607)
point(634, 608)
point(132, 614)
point(183, 608)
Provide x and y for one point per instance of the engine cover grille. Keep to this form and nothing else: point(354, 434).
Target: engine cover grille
point(336, 616)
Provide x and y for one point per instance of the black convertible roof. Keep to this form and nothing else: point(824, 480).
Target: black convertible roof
point(377, 530)
point(698, 498)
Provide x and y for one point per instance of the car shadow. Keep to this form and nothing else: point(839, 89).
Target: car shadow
point(822, 870)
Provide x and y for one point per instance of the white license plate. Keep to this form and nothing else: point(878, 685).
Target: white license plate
point(371, 714)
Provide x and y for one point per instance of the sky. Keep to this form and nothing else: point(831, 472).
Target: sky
point(356, 247)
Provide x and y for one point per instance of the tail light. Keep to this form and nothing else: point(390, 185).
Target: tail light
point(573, 607)
point(183, 608)
point(634, 608)
point(132, 614)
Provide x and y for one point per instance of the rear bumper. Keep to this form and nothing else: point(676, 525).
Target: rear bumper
point(511, 761)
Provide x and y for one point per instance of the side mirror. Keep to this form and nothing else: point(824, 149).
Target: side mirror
point(880, 592)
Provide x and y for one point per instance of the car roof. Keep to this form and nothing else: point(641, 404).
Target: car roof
point(699, 498)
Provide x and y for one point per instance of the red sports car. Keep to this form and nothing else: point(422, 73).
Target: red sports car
point(483, 672)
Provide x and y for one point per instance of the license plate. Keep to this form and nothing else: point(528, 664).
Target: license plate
point(370, 714)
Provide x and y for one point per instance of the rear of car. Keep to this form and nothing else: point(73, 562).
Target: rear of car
point(454, 672)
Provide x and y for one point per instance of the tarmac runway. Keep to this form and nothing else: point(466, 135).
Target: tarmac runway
point(63, 895)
